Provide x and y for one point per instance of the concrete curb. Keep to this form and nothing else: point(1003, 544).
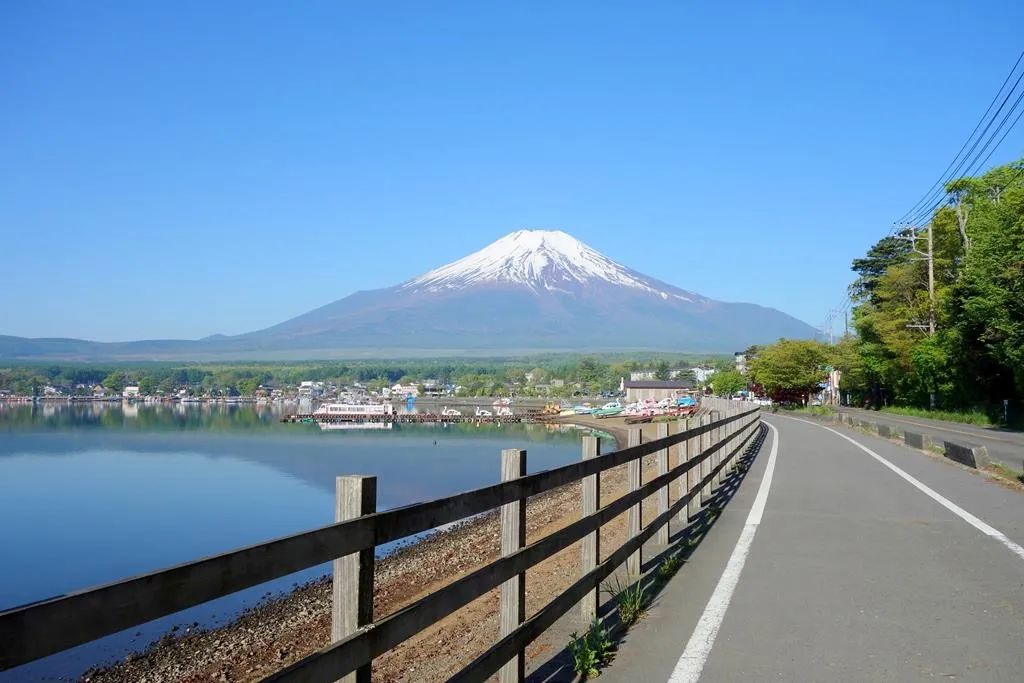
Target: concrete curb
point(972, 456)
point(975, 457)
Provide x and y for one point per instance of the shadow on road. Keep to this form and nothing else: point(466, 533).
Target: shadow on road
point(682, 544)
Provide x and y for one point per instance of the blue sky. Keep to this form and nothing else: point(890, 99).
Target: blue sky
point(191, 168)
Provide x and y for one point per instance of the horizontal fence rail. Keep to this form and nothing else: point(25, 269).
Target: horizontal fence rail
point(36, 630)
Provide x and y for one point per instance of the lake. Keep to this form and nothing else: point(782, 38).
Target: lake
point(91, 493)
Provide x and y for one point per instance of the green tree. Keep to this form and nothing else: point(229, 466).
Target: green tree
point(147, 385)
point(115, 382)
point(790, 365)
point(727, 382)
point(662, 370)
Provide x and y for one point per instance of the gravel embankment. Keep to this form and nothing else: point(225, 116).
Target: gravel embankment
point(282, 630)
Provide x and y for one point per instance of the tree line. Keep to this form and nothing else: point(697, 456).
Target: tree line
point(959, 344)
point(477, 377)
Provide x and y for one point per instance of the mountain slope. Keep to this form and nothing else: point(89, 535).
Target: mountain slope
point(535, 289)
point(530, 290)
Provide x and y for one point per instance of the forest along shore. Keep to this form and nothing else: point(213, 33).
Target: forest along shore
point(285, 629)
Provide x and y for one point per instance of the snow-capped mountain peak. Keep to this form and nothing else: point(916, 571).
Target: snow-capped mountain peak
point(538, 259)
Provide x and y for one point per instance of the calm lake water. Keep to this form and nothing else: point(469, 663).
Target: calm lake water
point(91, 493)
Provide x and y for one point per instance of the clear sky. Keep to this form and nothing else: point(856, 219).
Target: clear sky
point(180, 169)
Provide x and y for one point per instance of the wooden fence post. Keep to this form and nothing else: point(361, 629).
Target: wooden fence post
point(719, 432)
point(513, 591)
point(591, 546)
point(683, 456)
point(733, 429)
point(352, 585)
point(693, 476)
point(635, 514)
point(705, 464)
point(661, 535)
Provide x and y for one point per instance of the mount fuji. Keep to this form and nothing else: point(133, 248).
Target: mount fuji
point(531, 290)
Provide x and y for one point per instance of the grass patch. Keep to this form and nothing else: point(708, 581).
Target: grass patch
point(631, 599)
point(1006, 472)
point(816, 411)
point(590, 651)
point(669, 566)
point(974, 417)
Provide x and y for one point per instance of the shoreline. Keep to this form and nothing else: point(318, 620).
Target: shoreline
point(286, 627)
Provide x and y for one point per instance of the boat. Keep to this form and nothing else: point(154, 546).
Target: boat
point(354, 412)
point(480, 412)
point(345, 426)
point(450, 412)
point(609, 410)
point(584, 409)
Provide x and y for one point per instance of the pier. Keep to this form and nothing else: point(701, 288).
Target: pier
point(529, 417)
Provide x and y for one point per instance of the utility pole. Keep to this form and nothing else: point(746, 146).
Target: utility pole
point(928, 256)
point(931, 290)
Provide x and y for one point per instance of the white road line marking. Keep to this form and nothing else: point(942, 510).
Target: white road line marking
point(977, 523)
point(691, 662)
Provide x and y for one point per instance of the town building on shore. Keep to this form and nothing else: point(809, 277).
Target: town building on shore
point(641, 390)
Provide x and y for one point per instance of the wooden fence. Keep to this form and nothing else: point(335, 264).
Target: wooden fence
point(705, 447)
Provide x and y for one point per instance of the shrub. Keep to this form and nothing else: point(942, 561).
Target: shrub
point(590, 651)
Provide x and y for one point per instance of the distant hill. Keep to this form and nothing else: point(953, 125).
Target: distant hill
point(532, 290)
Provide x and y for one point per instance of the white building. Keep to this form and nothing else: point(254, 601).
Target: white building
point(701, 374)
point(311, 389)
point(130, 392)
point(401, 390)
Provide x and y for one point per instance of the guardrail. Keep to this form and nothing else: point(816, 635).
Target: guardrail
point(705, 447)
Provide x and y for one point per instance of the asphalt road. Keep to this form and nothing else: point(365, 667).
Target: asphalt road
point(1004, 446)
point(854, 572)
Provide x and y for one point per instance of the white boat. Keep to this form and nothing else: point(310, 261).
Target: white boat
point(354, 411)
point(480, 412)
point(343, 426)
point(450, 412)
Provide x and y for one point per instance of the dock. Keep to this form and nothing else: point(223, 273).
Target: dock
point(530, 417)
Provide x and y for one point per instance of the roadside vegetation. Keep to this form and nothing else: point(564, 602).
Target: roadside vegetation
point(975, 358)
point(973, 417)
point(591, 651)
point(815, 411)
point(1007, 473)
point(959, 356)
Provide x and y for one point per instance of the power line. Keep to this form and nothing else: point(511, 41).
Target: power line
point(967, 167)
point(974, 166)
point(940, 182)
point(962, 164)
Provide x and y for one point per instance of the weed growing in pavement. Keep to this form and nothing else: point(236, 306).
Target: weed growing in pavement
point(669, 566)
point(590, 651)
point(631, 599)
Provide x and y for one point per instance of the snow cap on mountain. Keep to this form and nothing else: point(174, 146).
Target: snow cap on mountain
point(538, 259)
